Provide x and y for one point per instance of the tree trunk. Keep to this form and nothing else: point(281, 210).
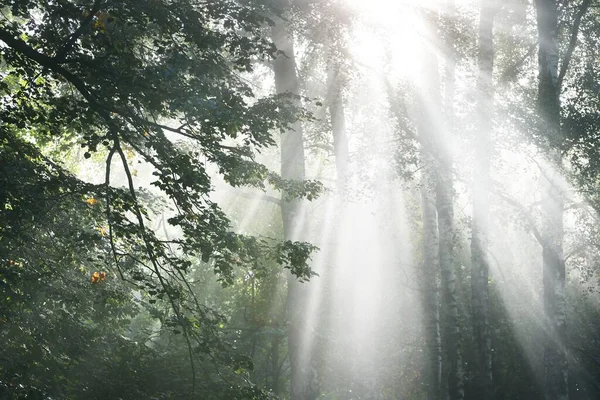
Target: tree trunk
point(450, 329)
point(338, 120)
point(428, 128)
point(483, 387)
point(303, 373)
point(275, 366)
point(555, 354)
point(429, 284)
point(445, 208)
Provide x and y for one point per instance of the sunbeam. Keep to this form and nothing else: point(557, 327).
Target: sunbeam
point(300, 200)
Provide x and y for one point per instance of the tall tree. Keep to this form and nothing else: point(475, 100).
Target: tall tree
point(429, 281)
point(481, 189)
point(429, 109)
point(552, 206)
point(445, 207)
point(303, 372)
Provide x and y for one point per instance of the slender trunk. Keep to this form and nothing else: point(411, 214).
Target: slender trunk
point(483, 388)
point(450, 329)
point(445, 208)
point(430, 109)
point(275, 369)
point(303, 373)
point(338, 121)
point(555, 354)
point(335, 105)
point(430, 286)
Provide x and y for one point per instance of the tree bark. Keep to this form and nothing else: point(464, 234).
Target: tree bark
point(303, 374)
point(555, 354)
point(275, 368)
point(429, 284)
point(338, 120)
point(445, 209)
point(428, 129)
point(450, 328)
point(483, 387)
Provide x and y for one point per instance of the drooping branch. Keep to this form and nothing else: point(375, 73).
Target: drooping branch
point(153, 258)
point(52, 64)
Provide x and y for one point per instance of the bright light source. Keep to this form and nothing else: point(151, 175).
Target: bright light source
point(393, 33)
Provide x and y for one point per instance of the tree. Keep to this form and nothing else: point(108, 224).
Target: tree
point(549, 108)
point(481, 192)
point(303, 373)
point(444, 198)
point(429, 106)
point(155, 83)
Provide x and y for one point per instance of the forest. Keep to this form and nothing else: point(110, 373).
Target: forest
point(300, 199)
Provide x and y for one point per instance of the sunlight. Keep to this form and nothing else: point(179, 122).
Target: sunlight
point(387, 30)
point(394, 33)
point(444, 243)
point(387, 10)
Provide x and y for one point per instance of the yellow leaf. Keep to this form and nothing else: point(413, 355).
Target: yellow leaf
point(98, 277)
point(91, 201)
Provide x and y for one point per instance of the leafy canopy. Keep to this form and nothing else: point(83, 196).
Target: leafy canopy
point(131, 81)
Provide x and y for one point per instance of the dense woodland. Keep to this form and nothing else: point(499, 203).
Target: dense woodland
point(300, 199)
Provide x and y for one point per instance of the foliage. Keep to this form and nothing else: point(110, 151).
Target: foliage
point(158, 97)
point(124, 80)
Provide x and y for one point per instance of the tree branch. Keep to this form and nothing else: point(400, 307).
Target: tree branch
point(48, 62)
point(153, 258)
point(62, 52)
point(510, 71)
point(573, 41)
point(262, 197)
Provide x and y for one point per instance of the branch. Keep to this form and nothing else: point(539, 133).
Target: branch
point(514, 203)
point(152, 256)
point(48, 62)
point(511, 70)
point(400, 119)
point(262, 197)
point(62, 52)
point(573, 41)
point(54, 65)
point(576, 250)
point(520, 207)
